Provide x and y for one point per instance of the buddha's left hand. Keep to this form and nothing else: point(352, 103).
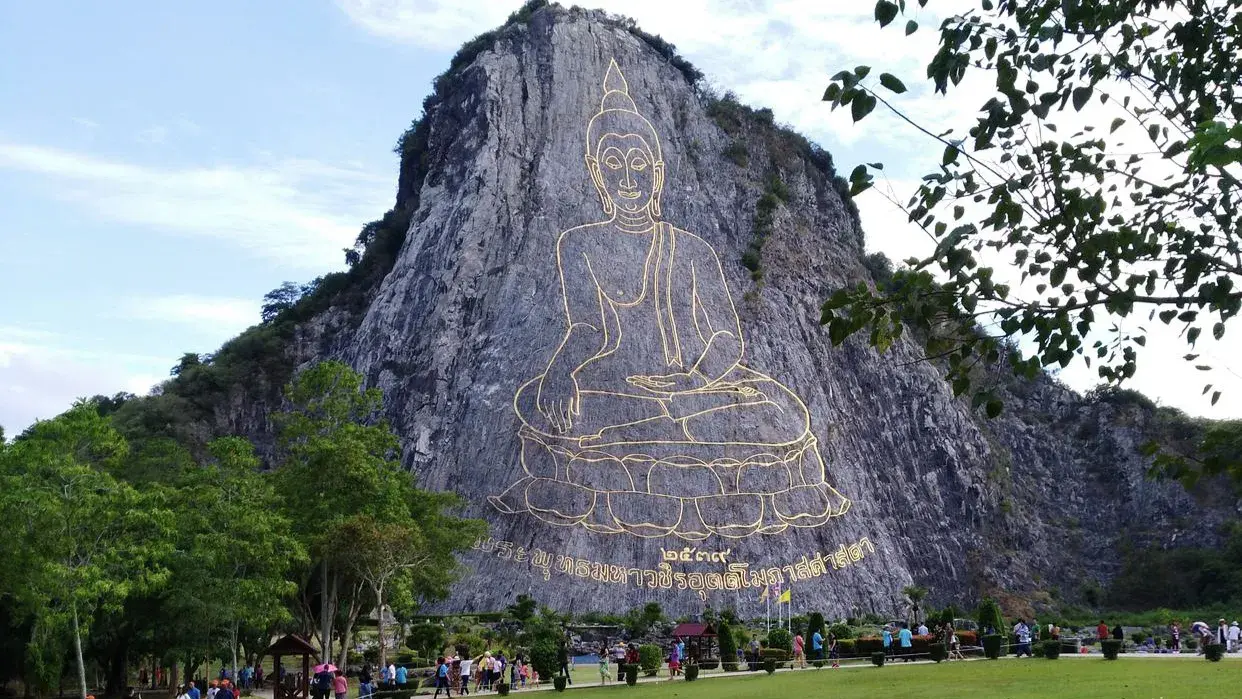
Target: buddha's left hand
point(668, 383)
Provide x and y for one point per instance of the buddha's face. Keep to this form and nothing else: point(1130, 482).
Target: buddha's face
point(626, 172)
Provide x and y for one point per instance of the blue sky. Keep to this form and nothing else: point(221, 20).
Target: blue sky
point(163, 165)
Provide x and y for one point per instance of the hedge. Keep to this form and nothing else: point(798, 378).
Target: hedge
point(1051, 649)
point(709, 663)
point(777, 654)
point(692, 673)
point(877, 658)
point(939, 652)
point(992, 645)
point(1214, 652)
point(1111, 648)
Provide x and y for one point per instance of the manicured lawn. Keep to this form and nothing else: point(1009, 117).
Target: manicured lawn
point(1067, 678)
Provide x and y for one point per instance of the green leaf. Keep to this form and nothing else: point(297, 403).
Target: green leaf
point(885, 12)
point(1117, 124)
point(832, 93)
point(911, 27)
point(1081, 96)
point(950, 155)
point(862, 106)
point(994, 408)
point(861, 72)
point(891, 82)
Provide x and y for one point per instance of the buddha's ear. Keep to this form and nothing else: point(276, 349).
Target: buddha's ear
point(597, 178)
point(657, 186)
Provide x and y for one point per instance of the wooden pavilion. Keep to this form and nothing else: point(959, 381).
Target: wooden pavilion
point(291, 684)
point(695, 635)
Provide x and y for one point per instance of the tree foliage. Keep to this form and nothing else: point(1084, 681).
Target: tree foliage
point(1099, 183)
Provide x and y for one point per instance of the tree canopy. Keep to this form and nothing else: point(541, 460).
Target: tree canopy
point(1099, 182)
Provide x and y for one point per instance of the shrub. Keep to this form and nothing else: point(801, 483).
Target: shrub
point(1138, 637)
point(769, 665)
point(710, 663)
point(543, 653)
point(558, 682)
point(846, 648)
point(992, 646)
point(988, 614)
point(780, 639)
point(869, 644)
point(1214, 652)
point(1190, 644)
point(938, 651)
point(777, 654)
point(737, 153)
point(1052, 649)
point(631, 674)
point(503, 689)
point(728, 645)
point(729, 665)
point(650, 657)
point(817, 663)
point(1111, 648)
point(691, 672)
point(967, 638)
point(841, 631)
point(877, 658)
point(815, 622)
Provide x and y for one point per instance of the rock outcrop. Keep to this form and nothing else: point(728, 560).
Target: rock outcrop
point(699, 489)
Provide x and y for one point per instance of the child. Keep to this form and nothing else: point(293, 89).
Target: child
point(834, 653)
point(604, 675)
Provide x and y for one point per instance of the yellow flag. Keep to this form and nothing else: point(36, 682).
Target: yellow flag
point(763, 595)
point(784, 596)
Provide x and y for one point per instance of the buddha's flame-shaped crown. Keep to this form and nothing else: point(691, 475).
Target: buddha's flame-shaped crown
point(616, 91)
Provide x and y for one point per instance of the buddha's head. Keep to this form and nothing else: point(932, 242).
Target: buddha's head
point(623, 152)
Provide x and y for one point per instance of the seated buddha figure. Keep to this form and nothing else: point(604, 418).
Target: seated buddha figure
point(646, 420)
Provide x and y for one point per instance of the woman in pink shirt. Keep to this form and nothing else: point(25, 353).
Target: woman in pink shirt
point(340, 685)
point(799, 656)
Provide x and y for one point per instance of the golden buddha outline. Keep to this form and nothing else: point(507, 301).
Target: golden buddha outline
point(645, 420)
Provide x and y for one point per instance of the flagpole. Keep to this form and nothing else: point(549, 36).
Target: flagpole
point(768, 615)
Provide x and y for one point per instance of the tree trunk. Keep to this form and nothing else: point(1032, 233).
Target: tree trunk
point(325, 619)
point(233, 650)
point(77, 650)
point(351, 620)
point(118, 668)
point(383, 639)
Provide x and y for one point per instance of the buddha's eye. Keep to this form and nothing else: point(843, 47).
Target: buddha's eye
point(638, 163)
point(613, 162)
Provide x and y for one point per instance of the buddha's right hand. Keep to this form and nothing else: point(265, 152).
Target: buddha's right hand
point(559, 401)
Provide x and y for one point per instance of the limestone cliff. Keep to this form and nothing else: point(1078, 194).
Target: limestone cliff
point(470, 308)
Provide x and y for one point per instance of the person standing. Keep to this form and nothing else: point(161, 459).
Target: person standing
point(364, 682)
point(1222, 634)
point(604, 675)
point(258, 676)
point(1023, 632)
point(225, 691)
point(562, 660)
point(192, 691)
point(834, 652)
point(817, 645)
point(905, 640)
point(887, 637)
point(340, 685)
point(1175, 638)
point(799, 652)
point(463, 673)
point(392, 676)
point(402, 676)
point(1101, 631)
point(442, 677)
point(922, 629)
point(1235, 634)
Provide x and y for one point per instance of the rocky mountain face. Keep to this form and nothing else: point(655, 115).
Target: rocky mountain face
point(700, 488)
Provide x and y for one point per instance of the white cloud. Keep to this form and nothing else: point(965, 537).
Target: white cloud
point(41, 374)
point(85, 123)
point(300, 212)
point(225, 316)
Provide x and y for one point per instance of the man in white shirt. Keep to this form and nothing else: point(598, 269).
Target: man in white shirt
point(1233, 636)
point(922, 629)
point(1023, 632)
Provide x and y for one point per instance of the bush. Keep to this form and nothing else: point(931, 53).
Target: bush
point(1051, 649)
point(769, 665)
point(728, 644)
point(503, 689)
point(543, 654)
point(967, 638)
point(1190, 644)
point(650, 657)
point(1214, 652)
point(631, 674)
point(992, 646)
point(777, 654)
point(877, 658)
point(817, 663)
point(869, 644)
point(710, 663)
point(938, 651)
point(558, 682)
point(815, 622)
point(846, 647)
point(729, 665)
point(1111, 648)
point(988, 614)
point(691, 672)
point(841, 631)
point(1138, 637)
point(780, 639)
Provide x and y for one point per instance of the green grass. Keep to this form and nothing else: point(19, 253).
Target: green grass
point(1067, 678)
